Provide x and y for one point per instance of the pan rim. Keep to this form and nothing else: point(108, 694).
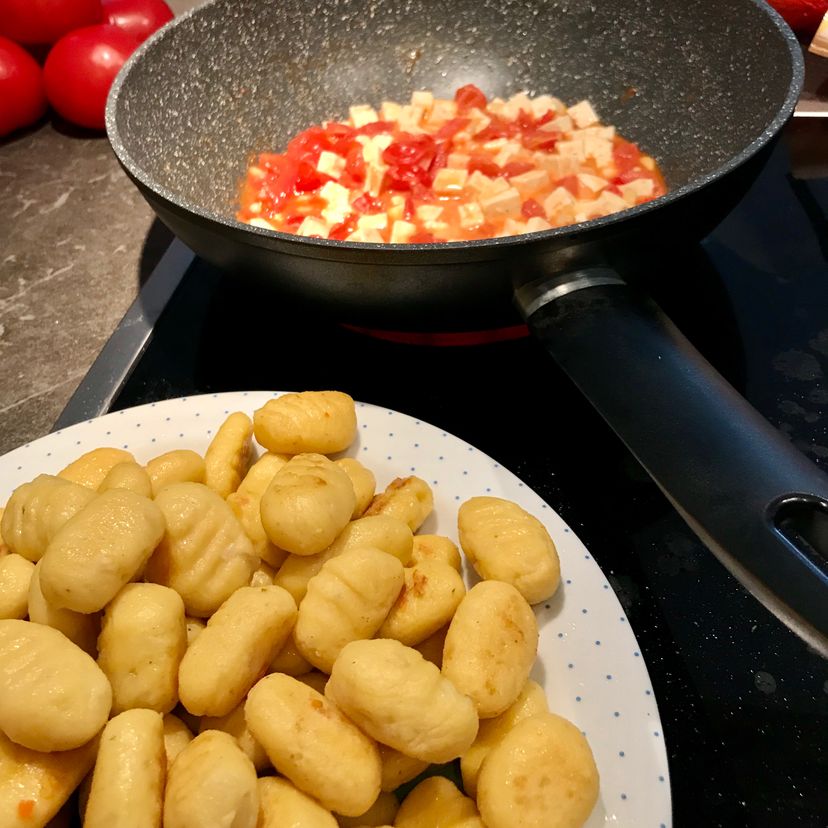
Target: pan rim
point(318, 248)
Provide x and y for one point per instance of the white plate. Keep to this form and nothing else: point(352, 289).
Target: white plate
point(589, 661)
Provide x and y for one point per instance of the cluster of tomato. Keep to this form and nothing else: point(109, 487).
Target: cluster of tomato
point(85, 43)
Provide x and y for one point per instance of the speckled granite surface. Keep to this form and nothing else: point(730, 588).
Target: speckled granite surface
point(75, 240)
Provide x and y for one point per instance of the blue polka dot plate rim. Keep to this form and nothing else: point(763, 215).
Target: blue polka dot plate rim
point(588, 662)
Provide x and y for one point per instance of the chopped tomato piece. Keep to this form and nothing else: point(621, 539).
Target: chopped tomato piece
point(625, 155)
point(343, 230)
point(376, 128)
point(355, 163)
point(483, 165)
point(516, 168)
point(308, 178)
point(540, 139)
point(451, 128)
point(526, 120)
point(498, 128)
point(25, 808)
point(367, 204)
point(469, 96)
point(409, 150)
point(531, 208)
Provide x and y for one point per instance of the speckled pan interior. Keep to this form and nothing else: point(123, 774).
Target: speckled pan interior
point(239, 76)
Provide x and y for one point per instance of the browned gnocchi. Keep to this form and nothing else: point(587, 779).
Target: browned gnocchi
point(226, 588)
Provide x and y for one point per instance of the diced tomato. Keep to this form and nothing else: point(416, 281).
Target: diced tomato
point(540, 139)
point(408, 208)
point(343, 230)
point(308, 178)
point(295, 219)
point(625, 155)
point(483, 165)
point(355, 163)
point(571, 183)
point(516, 168)
point(526, 120)
point(498, 128)
point(376, 128)
point(531, 208)
point(423, 238)
point(469, 96)
point(279, 184)
point(25, 808)
point(547, 116)
point(408, 150)
point(366, 203)
point(451, 128)
point(439, 161)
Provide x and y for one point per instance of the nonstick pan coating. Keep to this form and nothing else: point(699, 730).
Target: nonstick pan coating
point(240, 76)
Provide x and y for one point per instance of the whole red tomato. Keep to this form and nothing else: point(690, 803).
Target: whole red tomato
point(22, 97)
point(80, 69)
point(802, 16)
point(44, 21)
point(140, 18)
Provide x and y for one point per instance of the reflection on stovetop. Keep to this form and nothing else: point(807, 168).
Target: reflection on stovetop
point(744, 703)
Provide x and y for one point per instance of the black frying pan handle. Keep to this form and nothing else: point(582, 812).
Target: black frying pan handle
point(753, 498)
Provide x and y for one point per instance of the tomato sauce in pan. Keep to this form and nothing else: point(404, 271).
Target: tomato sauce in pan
point(439, 170)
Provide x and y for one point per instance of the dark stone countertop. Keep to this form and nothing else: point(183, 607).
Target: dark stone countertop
point(76, 238)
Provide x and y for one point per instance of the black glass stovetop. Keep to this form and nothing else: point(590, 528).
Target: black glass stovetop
point(744, 702)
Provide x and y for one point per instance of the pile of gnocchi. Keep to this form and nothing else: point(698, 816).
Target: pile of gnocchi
point(259, 639)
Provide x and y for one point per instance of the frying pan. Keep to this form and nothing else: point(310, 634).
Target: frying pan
point(703, 86)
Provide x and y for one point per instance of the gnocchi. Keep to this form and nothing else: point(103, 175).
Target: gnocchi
point(44, 675)
point(301, 731)
point(128, 781)
point(307, 504)
point(234, 649)
point(211, 784)
point(143, 639)
point(217, 602)
point(204, 554)
point(402, 700)
point(504, 542)
point(348, 600)
point(490, 646)
point(99, 550)
point(540, 775)
point(321, 422)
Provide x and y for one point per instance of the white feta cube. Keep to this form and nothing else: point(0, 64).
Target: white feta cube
point(558, 166)
point(429, 212)
point(377, 221)
point(516, 104)
point(639, 188)
point(558, 199)
point(362, 115)
point(449, 180)
point(390, 110)
point(312, 226)
point(582, 114)
point(256, 221)
point(471, 215)
point(501, 204)
point(458, 160)
point(423, 99)
point(410, 117)
point(512, 227)
point(544, 103)
point(442, 110)
point(536, 224)
point(397, 207)
point(530, 182)
point(510, 150)
point(593, 183)
point(402, 231)
point(330, 163)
